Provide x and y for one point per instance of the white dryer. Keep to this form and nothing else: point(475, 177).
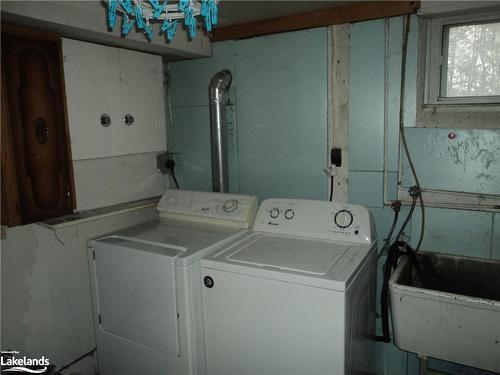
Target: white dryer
point(296, 295)
point(146, 283)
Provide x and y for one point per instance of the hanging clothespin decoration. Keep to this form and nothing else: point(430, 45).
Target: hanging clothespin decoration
point(112, 5)
point(127, 24)
point(145, 12)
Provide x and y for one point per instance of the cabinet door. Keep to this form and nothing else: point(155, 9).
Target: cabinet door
point(141, 78)
point(92, 88)
point(106, 80)
point(35, 100)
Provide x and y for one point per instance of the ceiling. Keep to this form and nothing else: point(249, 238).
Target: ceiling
point(232, 12)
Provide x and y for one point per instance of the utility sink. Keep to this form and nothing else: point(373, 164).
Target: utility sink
point(456, 316)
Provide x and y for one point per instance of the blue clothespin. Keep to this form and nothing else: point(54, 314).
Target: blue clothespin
point(148, 30)
point(213, 12)
point(127, 6)
point(169, 27)
point(204, 8)
point(139, 18)
point(157, 8)
point(112, 13)
point(192, 29)
point(188, 17)
point(208, 24)
point(183, 5)
point(127, 24)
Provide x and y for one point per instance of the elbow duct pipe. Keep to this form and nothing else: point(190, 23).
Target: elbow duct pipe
point(217, 92)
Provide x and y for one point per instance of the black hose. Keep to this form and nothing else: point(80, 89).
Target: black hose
point(391, 262)
point(389, 236)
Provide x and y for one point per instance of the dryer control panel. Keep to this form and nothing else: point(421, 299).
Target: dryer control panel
point(316, 219)
point(207, 207)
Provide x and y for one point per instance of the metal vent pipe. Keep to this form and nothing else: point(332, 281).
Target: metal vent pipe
point(217, 91)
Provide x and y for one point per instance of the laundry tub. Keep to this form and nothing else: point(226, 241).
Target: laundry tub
point(456, 316)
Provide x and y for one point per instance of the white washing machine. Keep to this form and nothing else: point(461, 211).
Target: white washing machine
point(146, 283)
point(296, 295)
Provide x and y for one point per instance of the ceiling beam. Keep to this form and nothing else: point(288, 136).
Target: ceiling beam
point(362, 11)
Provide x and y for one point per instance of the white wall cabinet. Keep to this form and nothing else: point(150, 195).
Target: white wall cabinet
point(101, 79)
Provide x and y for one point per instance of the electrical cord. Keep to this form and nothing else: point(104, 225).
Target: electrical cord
point(331, 188)
point(403, 137)
point(170, 165)
point(175, 180)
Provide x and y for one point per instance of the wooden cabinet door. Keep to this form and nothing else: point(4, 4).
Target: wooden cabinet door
point(36, 105)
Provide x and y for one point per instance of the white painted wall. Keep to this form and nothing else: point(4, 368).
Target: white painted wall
point(109, 181)
point(46, 300)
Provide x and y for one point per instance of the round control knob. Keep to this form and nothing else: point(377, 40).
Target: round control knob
point(343, 218)
point(230, 205)
point(289, 214)
point(274, 213)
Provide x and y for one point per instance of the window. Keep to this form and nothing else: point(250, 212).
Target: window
point(471, 61)
point(459, 72)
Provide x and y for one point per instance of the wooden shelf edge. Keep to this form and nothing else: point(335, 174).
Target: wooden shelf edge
point(363, 11)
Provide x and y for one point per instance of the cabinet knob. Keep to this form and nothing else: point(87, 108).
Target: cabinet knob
point(105, 120)
point(129, 119)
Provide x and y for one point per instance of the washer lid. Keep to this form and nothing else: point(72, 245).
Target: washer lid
point(292, 254)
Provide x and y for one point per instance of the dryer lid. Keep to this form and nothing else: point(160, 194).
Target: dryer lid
point(314, 257)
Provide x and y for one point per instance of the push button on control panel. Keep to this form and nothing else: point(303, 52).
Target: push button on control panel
point(289, 214)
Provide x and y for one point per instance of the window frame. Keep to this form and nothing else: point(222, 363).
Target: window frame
point(454, 112)
point(436, 60)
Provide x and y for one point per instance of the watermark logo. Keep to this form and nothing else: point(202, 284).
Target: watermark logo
point(13, 363)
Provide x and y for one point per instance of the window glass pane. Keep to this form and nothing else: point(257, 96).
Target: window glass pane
point(473, 66)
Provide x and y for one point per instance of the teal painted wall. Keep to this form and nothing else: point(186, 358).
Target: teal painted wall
point(277, 124)
point(469, 233)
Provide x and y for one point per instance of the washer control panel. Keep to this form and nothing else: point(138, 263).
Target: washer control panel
point(217, 208)
point(317, 219)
